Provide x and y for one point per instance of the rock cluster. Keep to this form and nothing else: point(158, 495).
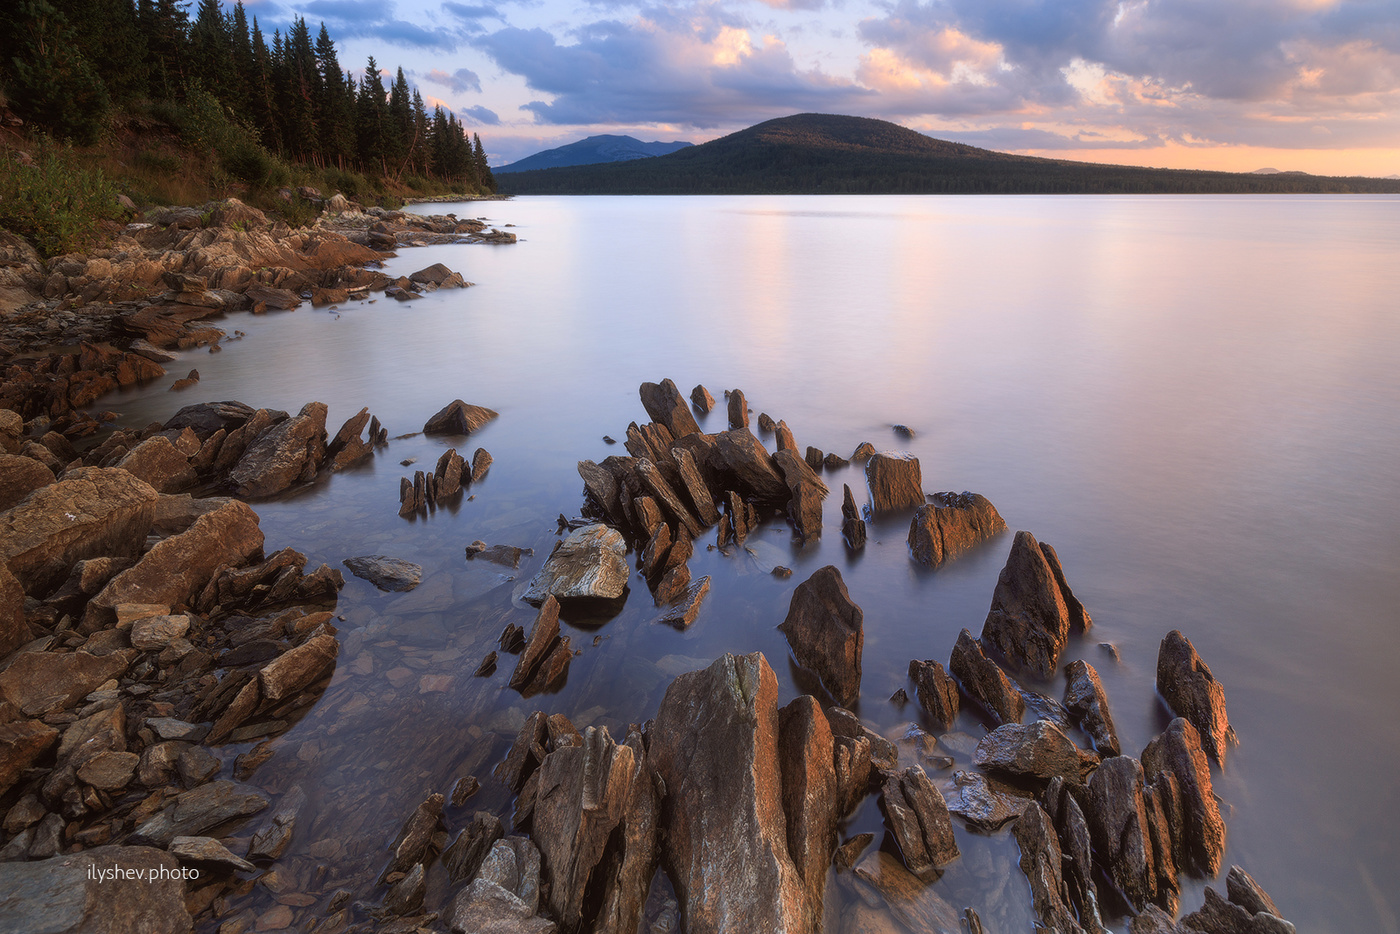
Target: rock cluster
point(451, 475)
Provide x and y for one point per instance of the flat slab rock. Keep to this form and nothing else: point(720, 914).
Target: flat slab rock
point(66, 894)
point(591, 562)
point(388, 574)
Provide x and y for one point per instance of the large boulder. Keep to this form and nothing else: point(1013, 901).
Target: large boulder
point(289, 451)
point(806, 752)
point(714, 743)
point(827, 633)
point(160, 464)
point(1033, 608)
point(664, 403)
point(175, 571)
point(624, 876)
point(20, 476)
point(78, 893)
point(745, 457)
point(458, 418)
point(895, 482)
point(1185, 682)
point(92, 512)
point(1118, 821)
point(1037, 750)
point(591, 562)
point(950, 525)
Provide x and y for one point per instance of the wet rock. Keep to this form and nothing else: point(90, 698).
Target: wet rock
point(209, 852)
point(695, 486)
point(347, 447)
point(1153, 920)
point(458, 418)
point(683, 610)
point(202, 809)
point(852, 764)
point(544, 635)
point(982, 805)
point(437, 275)
point(1061, 802)
point(273, 838)
point(950, 525)
point(937, 692)
point(1040, 861)
point(1118, 826)
point(406, 895)
point(813, 457)
point(826, 631)
point(411, 845)
point(481, 463)
point(507, 556)
point(984, 681)
point(747, 459)
point(388, 574)
point(109, 771)
point(1177, 751)
point(738, 409)
point(834, 461)
point(1032, 610)
point(67, 895)
point(591, 562)
point(22, 742)
point(92, 512)
point(299, 668)
point(852, 525)
point(1037, 750)
point(626, 872)
point(1191, 691)
point(1242, 890)
point(504, 899)
point(895, 482)
point(806, 757)
point(14, 628)
point(918, 818)
point(20, 476)
point(464, 856)
point(665, 405)
point(765, 423)
point(49, 681)
point(700, 397)
point(1086, 699)
point(1219, 916)
point(287, 452)
point(912, 904)
point(266, 297)
point(714, 743)
point(655, 483)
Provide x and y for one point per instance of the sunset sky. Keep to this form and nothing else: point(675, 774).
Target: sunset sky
point(1311, 85)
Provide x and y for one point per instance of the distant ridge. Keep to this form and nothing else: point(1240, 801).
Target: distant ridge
point(591, 151)
point(830, 154)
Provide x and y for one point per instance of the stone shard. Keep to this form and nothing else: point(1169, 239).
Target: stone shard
point(458, 418)
point(827, 633)
point(481, 463)
point(1037, 750)
point(655, 483)
point(289, 451)
point(194, 812)
point(543, 636)
point(465, 854)
point(448, 473)
point(1185, 682)
point(852, 525)
point(714, 743)
point(388, 574)
point(950, 525)
point(1086, 699)
point(347, 447)
point(806, 758)
point(1177, 751)
point(1040, 861)
point(895, 482)
point(411, 845)
point(919, 819)
point(851, 761)
point(591, 562)
point(626, 872)
point(738, 409)
point(664, 403)
point(683, 610)
point(984, 681)
point(695, 486)
point(298, 668)
point(936, 690)
point(1241, 889)
point(752, 466)
point(1029, 621)
point(602, 487)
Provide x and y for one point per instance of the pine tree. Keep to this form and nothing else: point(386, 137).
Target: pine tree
point(485, 179)
point(164, 27)
point(210, 50)
point(337, 126)
point(421, 156)
point(48, 80)
point(371, 120)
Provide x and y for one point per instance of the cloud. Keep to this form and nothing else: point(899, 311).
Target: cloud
point(460, 81)
point(374, 19)
point(481, 115)
point(471, 15)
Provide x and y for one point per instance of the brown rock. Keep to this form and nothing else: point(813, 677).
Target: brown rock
point(109, 771)
point(895, 482)
point(1037, 750)
point(806, 756)
point(653, 480)
point(714, 744)
point(665, 405)
point(937, 692)
point(20, 476)
point(194, 812)
point(683, 609)
point(1029, 621)
point(918, 817)
point(22, 742)
point(458, 418)
point(1242, 890)
point(157, 461)
point(14, 629)
point(63, 679)
point(1191, 691)
point(347, 447)
point(411, 845)
point(851, 761)
point(1118, 826)
point(289, 451)
point(1040, 861)
point(983, 805)
point(625, 876)
point(543, 636)
point(481, 462)
point(463, 857)
point(1177, 750)
point(738, 409)
point(745, 457)
point(702, 400)
point(952, 524)
point(299, 668)
point(67, 895)
point(1086, 699)
point(984, 682)
point(695, 486)
point(826, 632)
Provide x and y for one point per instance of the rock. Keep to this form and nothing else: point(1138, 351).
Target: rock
point(507, 556)
point(544, 636)
point(299, 668)
point(458, 418)
point(714, 743)
point(234, 213)
point(652, 479)
point(625, 874)
point(406, 895)
point(289, 451)
point(851, 760)
point(1191, 691)
point(1153, 920)
point(1218, 916)
point(208, 851)
point(813, 457)
point(738, 409)
point(266, 297)
point(895, 482)
point(834, 461)
point(984, 682)
point(591, 562)
point(481, 462)
point(194, 812)
point(745, 457)
point(388, 574)
point(982, 805)
point(1241, 889)
point(437, 275)
point(77, 892)
point(14, 628)
point(208, 417)
point(1040, 861)
point(918, 818)
point(826, 631)
point(347, 447)
point(806, 755)
point(952, 524)
point(411, 845)
point(22, 742)
point(1177, 750)
point(682, 611)
point(178, 568)
point(1118, 826)
point(1085, 698)
point(464, 856)
point(852, 525)
point(92, 512)
point(109, 771)
point(157, 632)
point(1037, 750)
point(665, 405)
point(486, 907)
point(700, 397)
point(937, 692)
point(1030, 618)
point(765, 422)
point(52, 681)
point(1062, 805)
point(695, 486)
point(20, 476)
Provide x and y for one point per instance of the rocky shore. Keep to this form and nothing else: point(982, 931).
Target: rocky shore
point(153, 650)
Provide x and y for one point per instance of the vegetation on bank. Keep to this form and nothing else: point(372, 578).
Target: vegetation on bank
point(828, 154)
point(134, 97)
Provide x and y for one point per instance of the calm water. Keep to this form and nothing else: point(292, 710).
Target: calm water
point(1196, 400)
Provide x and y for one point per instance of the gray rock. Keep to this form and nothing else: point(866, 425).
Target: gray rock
point(1086, 699)
point(156, 632)
point(918, 817)
point(1040, 861)
point(682, 612)
point(67, 894)
point(591, 562)
point(1037, 750)
point(981, 805)
point(937, 692)
point(207, 850)
point(194, 812)
point(288, 452)
point(388, 574)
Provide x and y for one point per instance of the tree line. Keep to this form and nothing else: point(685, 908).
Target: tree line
point(67, 66)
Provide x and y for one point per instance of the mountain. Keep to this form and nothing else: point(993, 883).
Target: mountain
point(829, 154)
point(591, 151)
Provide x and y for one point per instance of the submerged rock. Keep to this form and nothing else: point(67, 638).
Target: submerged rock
point(937, 692)
point(389, 574)
point(952, 524)
point(918, 817)
point(827, 633)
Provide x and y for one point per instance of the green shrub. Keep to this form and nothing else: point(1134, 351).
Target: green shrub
point(56, 203)
point(157, 161)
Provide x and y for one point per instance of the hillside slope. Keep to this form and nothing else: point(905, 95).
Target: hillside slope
point(593, 150)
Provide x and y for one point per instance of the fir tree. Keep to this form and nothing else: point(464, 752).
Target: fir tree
point(49, 81)
point(371, 120)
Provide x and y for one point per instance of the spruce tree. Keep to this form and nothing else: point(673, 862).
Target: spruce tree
point(337, 125)
point(48, 80)
point(485, 179)
point(371, 120)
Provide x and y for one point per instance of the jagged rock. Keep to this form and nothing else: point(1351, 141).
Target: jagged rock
point(92, 512)
point(738, 409)
point(464, 856)
point(1118, 826)
point(895, 482)
point(1153, 920)
point(591, 562)
point(178, 568)
point(695, 486)
point(20, 476)
point(196, 811)
point(852, 525)
point(625, 873)
point(910, 903)
point(504, 898)
point(1241, 889)
point(745, 457)
point(157, 461)
point(289, 451)
point(272, 840)
point(813, 457)
point(75, 893)
point(655, 483)
point(1032, 609)
point(937, 692)
point(507, 556)
point(851, 759)
point(437, 275)
point(1177, 750)
point(918, 817)
point(701, 398)
point(458, 418)
point(58, 681)
point(1062, 805)
point(1040, 861)
point(208, 851)
point(827, 633)
point(714, 743)
point(952, 524)
point(765, 422)
point(481, 462)
point(1191, 691)
point(157, 632)
point(266, 297)
point(665, 405)
point(544, 635)
point(1086, 699)
point(406, 895)
point(22, 742)
point(411, 845)
point(347, 447)
point(388, 574)
point(1218, 916)
point(299, 668)
point(806, 758)
point(982, 805)
point(984, 681)
point(1037, 750)
point(682, 611)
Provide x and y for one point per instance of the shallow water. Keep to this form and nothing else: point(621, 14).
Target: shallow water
point(1195, 400)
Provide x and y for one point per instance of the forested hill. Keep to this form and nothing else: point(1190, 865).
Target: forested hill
point(828, 154)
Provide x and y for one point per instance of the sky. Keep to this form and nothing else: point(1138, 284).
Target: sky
point(1239, 85)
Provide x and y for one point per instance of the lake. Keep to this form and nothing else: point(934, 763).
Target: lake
point(1196, 400)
